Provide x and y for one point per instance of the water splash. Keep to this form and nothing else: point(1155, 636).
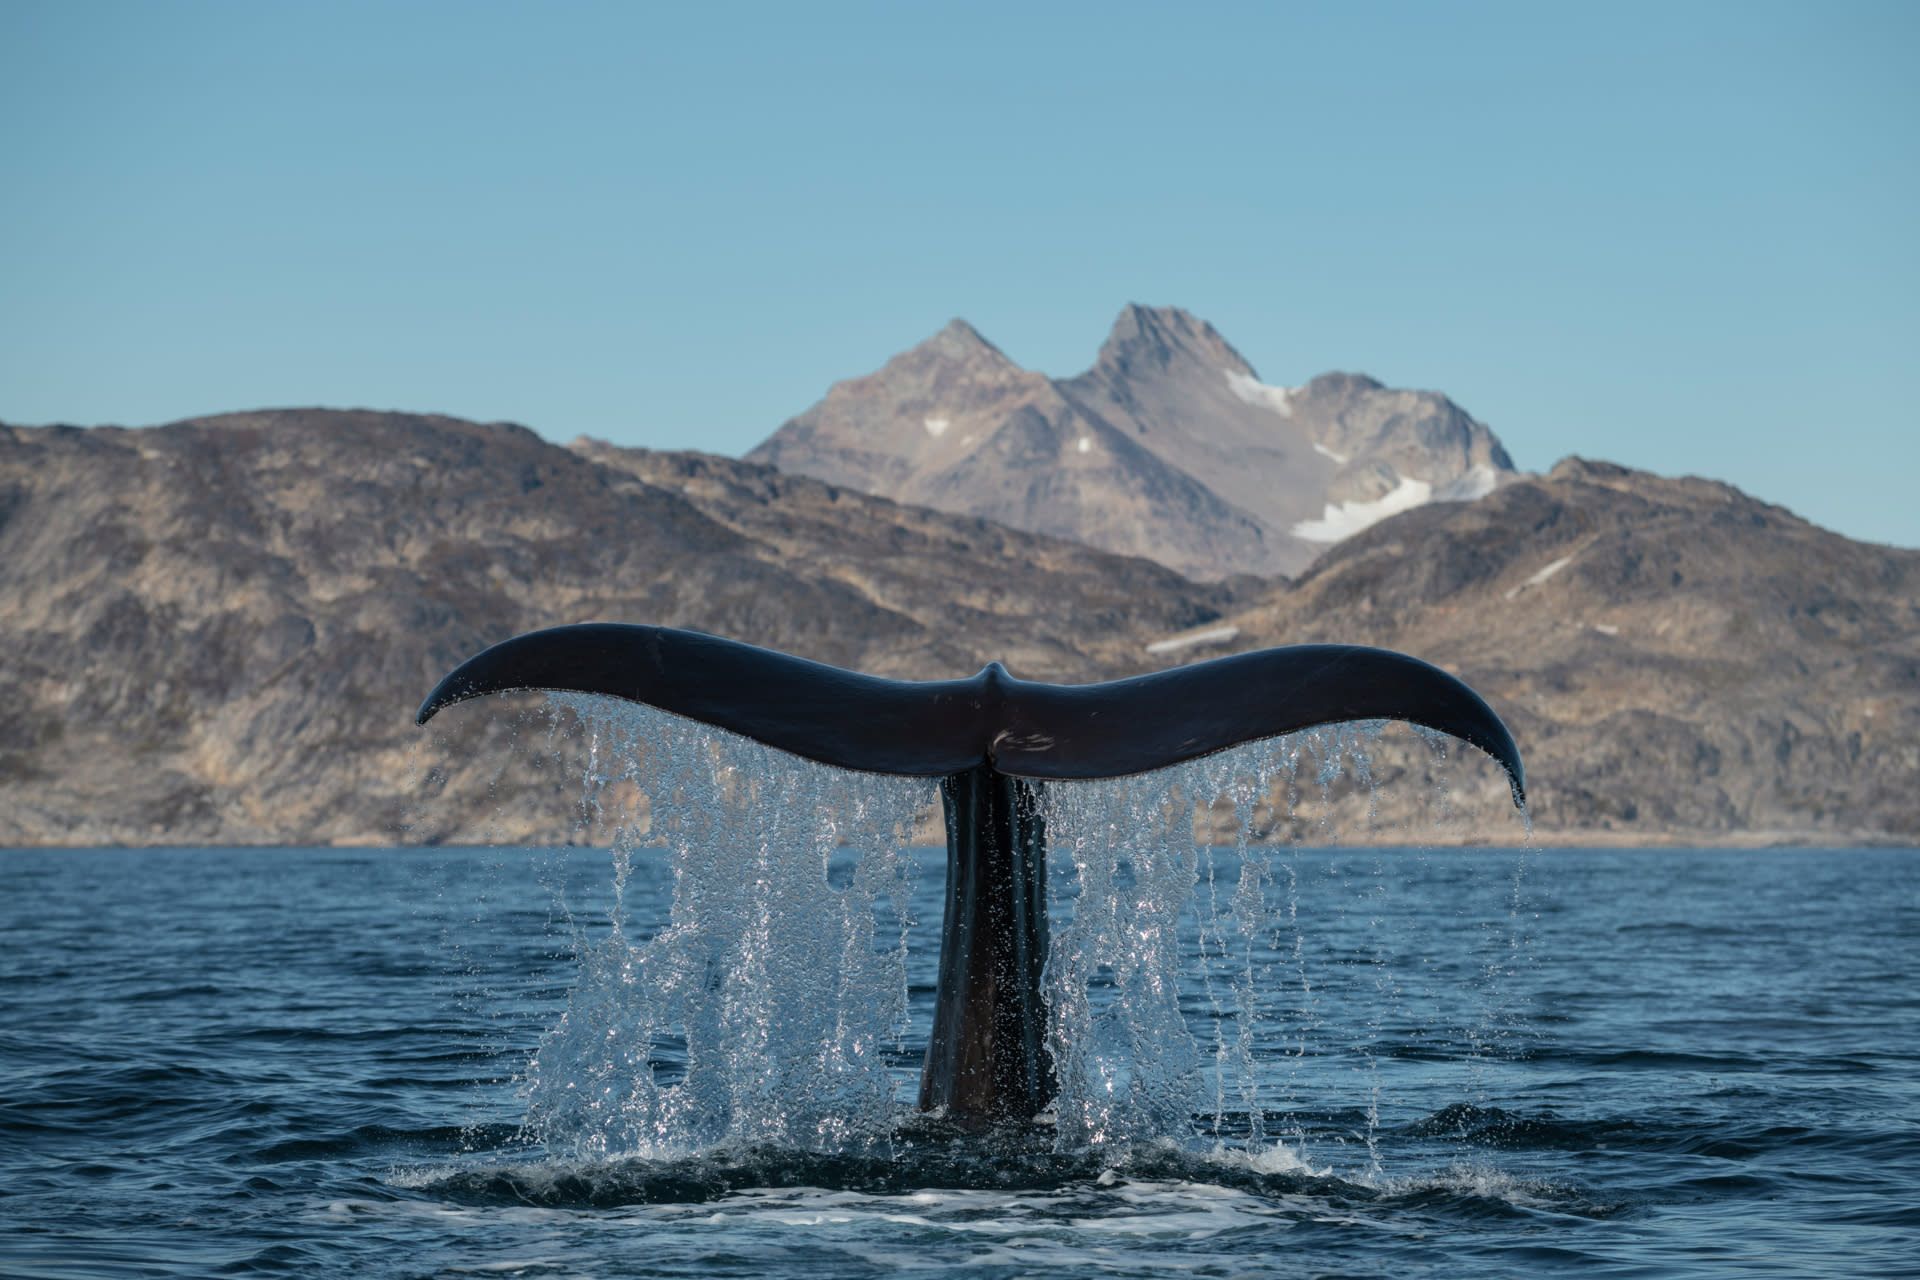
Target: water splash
point(762, 1012)
point(1187, 991)
point(1185, 987)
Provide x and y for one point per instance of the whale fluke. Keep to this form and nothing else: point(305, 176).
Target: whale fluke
point(1019, 727)
point(994, 742)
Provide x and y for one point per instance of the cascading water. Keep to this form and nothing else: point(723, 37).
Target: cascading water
point(762, 1012)
point(1186, 991)
point(1185, 987)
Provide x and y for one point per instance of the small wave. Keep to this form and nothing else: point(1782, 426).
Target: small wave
point(1695, 928)
point(699, 1179)
point(1500, 1129)
point(1494, 1127)
point(1650, 1060)
point(370, 1139)
point(191, 991)
point(1003, 1165)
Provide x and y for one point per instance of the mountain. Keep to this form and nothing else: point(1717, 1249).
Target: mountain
point(1168, 447)
point(217, 631)
point(1675, 657)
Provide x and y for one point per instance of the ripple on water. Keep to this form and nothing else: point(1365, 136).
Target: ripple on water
point(1451, 1087)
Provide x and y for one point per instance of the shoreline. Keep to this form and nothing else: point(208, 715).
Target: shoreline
point(1547, 842)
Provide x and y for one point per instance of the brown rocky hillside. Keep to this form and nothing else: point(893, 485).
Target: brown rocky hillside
point(217, 631)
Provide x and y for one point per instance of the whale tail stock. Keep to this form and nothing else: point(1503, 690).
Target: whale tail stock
point(994, 741)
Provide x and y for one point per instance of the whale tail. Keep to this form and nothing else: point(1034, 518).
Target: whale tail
point(1023, 728)
point(995, 741)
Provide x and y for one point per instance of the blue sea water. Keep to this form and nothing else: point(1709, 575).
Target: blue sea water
point(321, 1061)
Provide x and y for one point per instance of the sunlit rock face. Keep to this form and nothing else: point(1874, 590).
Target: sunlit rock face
point(1672, 654)
point(955, 425)
point(217, 631)
point(1169, 447)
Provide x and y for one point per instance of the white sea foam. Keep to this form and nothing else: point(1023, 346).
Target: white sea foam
point(1278, 1158)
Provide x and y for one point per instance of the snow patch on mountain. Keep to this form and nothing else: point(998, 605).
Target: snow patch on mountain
point(1540, 576)
point(1479, 481)
point(1325, 452)
point(1344, 519)
point(1212, 635)
point(1258, 393)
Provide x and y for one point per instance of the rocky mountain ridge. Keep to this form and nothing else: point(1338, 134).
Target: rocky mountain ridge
point(216, 631)
point(1168, 447)
point(1674, 654)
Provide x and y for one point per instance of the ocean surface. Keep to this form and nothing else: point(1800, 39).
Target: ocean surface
point(439, 1063)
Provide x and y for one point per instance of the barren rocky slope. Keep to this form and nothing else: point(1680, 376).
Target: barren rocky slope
point(217, 631)
point(1168, 447)
point(1679, 660)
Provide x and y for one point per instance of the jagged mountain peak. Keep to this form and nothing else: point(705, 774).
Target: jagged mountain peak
point(1146, 339)
point(1170, 446)
point(1338, 383)
point(958, 343)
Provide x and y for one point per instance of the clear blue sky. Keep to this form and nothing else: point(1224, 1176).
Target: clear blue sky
point(1679, 236)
